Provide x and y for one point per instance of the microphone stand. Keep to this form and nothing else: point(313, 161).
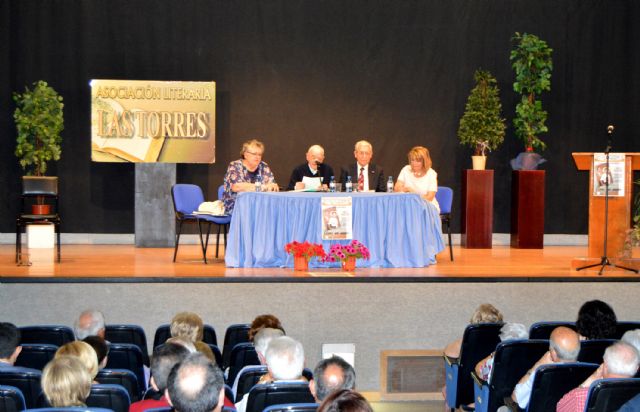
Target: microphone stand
point(604, 260)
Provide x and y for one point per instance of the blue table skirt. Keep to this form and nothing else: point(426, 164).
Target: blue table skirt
point(400, 229)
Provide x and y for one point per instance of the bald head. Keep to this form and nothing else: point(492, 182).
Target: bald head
point(89, 323)
point(195, 385)
point(315, 155)
point(330, 375)
point(564, 344)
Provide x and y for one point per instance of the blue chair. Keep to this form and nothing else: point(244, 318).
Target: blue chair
point(216, 354)
point(611, 394)
point(186, 200)
point(26, 380)
point(52, 334)
point(163, 332)
point(542, 330)
point(113, 397)
point(293, 407)
point(133, 334)
point(36, 355)
point(623, 327)
point(277, 393)
point(11, 399)
point(553, 381)
point(246, 379)
point(243, 354)
point(127, 356)
point(592, 351)
point(444, 196)
point(122, 377)
point(160, 409)
point(236, 333)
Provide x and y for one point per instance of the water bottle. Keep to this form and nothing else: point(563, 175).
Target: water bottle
point(332, 184)
point(390, 184)
point(258, 186)
point(348, 186)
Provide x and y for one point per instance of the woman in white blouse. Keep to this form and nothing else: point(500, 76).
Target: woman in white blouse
point(418, 176)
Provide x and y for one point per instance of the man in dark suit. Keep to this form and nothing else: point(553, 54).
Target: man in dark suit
point(313, 168)
point(364, 175)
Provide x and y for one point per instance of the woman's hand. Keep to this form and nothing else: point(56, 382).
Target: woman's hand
point(271, 187)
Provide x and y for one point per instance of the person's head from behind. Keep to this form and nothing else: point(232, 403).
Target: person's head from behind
point(264, 321)
point(285, 358)
point(345, 400)
point(187, 325)
point(596, 320)
point(262, 339)
point(195, 385)
point(419, 159)
point(564, 345)
point(620, 361)
point(512, 331)
point(330, 375)
point(90, 322)
point(632, 337)
point(101, 348)
point(363, 152)
point(66, 382)
point(83, 352)
point(486, 313)
point(164, 358)
point(9, 342)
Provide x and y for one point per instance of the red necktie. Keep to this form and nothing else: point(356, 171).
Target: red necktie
point(361, 180)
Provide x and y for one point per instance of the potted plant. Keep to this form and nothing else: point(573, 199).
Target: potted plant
point(532, 63)
point(39, 122)
point(482, 126)
point(303, 252)
point(633, 235)
point(347, 254)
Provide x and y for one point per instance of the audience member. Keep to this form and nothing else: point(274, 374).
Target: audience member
point(264, 321)
point(66, 382)
point(330, 375)
point(620, 361)
point(185, 343)
point(243, 174)
point(632, 337)
point(485, 313)
point(418, 176)
point(9, 346)
point(195, 385)
point(313, 168)
point(89, 323)
point(261, 343)
point(364, 175)
point(345, 400)
point(101, 348)
point(596, 320)
point(190, 326)
point(84, 353)
point(509, 331)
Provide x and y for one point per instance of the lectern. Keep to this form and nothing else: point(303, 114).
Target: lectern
point(619, 208)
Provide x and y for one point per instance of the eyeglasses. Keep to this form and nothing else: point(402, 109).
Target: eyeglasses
point(254, 154)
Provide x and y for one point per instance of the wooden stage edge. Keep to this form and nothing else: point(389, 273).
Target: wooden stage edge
point(126, 263)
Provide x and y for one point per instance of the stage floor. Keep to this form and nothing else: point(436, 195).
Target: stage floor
point(126, 263)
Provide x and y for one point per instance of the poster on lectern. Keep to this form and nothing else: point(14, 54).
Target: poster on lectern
point(153, 121)
point(614, 173)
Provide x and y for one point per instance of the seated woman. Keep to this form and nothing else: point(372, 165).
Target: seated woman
point(84, 353)
point(264, 321)
point(66, 382)
point(345, 400)
point(596, 320)
point(189, 326)
point(243, 174)
point(509, 331)
point(485, 313)
point(418, 176)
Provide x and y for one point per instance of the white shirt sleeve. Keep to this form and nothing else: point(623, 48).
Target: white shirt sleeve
point(522, 391)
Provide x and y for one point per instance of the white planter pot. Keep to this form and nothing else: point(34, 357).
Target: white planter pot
point(479, 162)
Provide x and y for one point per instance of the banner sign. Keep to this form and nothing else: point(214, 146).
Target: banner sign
point(615, 174)
point(336, 218)
point(153, 121)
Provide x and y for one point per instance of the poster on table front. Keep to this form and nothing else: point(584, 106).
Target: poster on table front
point(153, 121)
point(615, 174)
point(336, 218)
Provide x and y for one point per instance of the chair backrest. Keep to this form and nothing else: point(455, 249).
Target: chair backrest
point(293, 407)
point(11, 399)
point(444, 196)
point(39, 185)
point(611, 394)
point(216, 354)
point(53, 334)
point(36, 355)
point(133, 334)
point(70, 409)
point(264, 395)
point(163, 332)
point(243, 354)
point(622, 327)
point(247, 379)
point(591, 351)
point(122, 377)
point(237, 333)
point(542, 330)
point(127, 356)
point(552, 382)
point(26, 380)
point(220, 192)
point(186, 198)
point(113, 397)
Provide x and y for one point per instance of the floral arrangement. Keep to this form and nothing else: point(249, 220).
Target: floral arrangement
point(305, 249)
point(340, 253)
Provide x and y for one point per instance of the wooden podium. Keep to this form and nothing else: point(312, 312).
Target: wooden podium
point(619, 208)
point(477, 209)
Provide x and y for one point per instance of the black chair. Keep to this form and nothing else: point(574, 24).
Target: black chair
point(293, 407)
point(265, 395)
point(243, 354)
point(237, 333)
point(132, 334)
point(113, 397)
point(122, 377)
point(623, 327)
point(127, 356)
point(591, 351)
point(163, 332)
point(247, 379)
point(11, 399)
point(216, 354)
point(52, 334)
point(26, 380)
point(552, 382)
point(444, 196)
point(610, 394)
point(478, 341)
point(36, 355)
point(542, 330)
point(511, 361)
point(38, 190)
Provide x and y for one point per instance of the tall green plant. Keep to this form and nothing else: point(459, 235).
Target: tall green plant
point(481, 125)
point(39, 122)
point(531, 60)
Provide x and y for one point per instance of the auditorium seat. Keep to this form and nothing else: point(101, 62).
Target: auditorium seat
point(127, 356)
point(264, 395)
point(122, 377)
point(247, 379)
point(293, 407)
point(553, 381)
point(133, 334)
point(163, 332)
point(243, 354)
point(26, 380)
point(236, 333)
point(36, 355)
point(611, 394)
point(542, 330)
point(52, 334)
point(69, 409)
point(11, 399)
point(444, 196)
point(113, 397)
point(624, 326)
point(591, 351)
point(216, 354)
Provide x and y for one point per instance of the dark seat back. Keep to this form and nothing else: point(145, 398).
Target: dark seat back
point(237, 333)
point(132, 334)
point(113, 397)
point(127, 356)
point(26, 380)
point(591, 351)
point(122, 377)
point(542, 330)
point(216, 354)
point(293, 407)
point(36, 355)
point(11, 399)
point(243, 354)
point(622, 327)
point(164, 332)
point(610, 394)
point(262, 396)
point(552, 382)
point(52, 334)
point(69, 409)
point(247, 379)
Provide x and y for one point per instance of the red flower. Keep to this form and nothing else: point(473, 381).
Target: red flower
point(305, 249)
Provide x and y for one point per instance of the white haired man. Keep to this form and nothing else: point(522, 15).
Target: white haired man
point(366, 176)
point(260, 342)
point(313, 168)
point(89, 323)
